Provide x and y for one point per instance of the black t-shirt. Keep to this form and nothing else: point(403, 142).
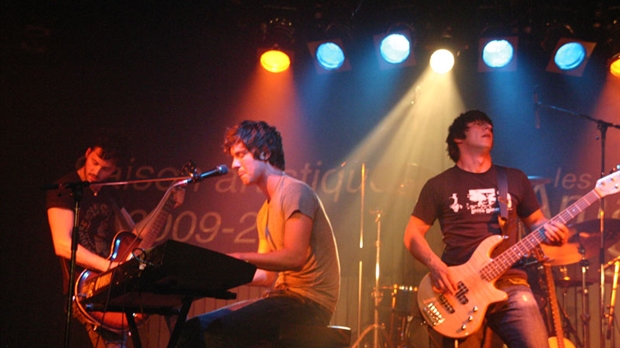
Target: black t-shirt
point(467, 208)
point(98, 222)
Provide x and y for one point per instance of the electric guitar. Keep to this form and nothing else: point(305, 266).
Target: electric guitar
point(461, 314)
point(123, 244)
point(558, 340)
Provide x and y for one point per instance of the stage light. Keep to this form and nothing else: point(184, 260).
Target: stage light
point(613, 49)
point(497, 54)
point(394, 49)
point(275, 61)
point(614, 65)
point(442, 61)
point(276, 44)
point(570, 56)
point(329, 56)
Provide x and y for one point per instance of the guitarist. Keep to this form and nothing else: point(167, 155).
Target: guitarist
point(101, 217)
point(465, 200)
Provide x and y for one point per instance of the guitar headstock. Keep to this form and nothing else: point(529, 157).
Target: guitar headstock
point(189, 169)
point(608, 185)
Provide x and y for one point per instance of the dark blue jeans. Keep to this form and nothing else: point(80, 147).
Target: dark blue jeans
point(252, 323)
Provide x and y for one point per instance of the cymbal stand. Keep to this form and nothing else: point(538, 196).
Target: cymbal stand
point(376, 327)
point(585, 302)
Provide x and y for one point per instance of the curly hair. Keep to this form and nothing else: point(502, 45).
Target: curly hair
point(459, 126)
point(114, 144)
point(259, 138)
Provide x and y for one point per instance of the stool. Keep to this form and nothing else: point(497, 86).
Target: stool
point(301, 336)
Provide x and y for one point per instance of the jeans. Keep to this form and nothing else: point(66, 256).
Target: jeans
point(517, 321)
point(251, 323)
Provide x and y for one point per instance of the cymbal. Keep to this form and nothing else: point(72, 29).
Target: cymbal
point(538, 180)
point(587, 235)
point(567, 283)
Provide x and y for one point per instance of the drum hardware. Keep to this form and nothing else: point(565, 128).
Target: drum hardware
point(401, 301)
point(585, 302)
point(404, 319)
point(584, 242)
point(376, 327)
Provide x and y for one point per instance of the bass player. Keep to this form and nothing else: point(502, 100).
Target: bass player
point(101, 216)
point(465, 200)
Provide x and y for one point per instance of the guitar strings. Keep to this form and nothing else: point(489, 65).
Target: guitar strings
point(159, 206)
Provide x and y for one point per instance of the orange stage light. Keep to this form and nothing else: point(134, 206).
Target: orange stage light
point(275, 61)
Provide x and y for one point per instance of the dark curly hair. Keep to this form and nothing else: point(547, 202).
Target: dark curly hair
point(459, 126)
point(259, 138)
point(114, 144)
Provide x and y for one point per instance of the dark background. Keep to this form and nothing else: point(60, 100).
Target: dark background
point(176, 74)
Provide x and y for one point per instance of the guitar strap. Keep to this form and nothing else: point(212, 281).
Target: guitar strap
point(502, 184)
point(504, 218)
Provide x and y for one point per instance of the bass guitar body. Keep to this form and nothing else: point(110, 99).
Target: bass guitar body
point(113, 321)
point(462, 314)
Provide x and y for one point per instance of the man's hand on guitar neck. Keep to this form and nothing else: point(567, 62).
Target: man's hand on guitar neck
point(556, 233)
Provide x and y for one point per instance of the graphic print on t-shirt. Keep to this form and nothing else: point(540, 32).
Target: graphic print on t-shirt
point(480, 201)
point(95, 226)
point(455, 206)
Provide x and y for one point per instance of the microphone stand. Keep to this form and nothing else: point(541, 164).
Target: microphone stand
point(77, 191)
point(602, 126)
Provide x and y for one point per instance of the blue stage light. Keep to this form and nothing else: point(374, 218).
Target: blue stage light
point(497, 53)
point(330, 56)
point(395, 48)
point(570, 55)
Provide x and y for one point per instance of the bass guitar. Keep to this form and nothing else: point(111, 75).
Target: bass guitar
point(460, 315)
point(123, 245)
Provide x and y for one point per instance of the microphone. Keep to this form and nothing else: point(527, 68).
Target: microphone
point(217, 171)
point(536, 108)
